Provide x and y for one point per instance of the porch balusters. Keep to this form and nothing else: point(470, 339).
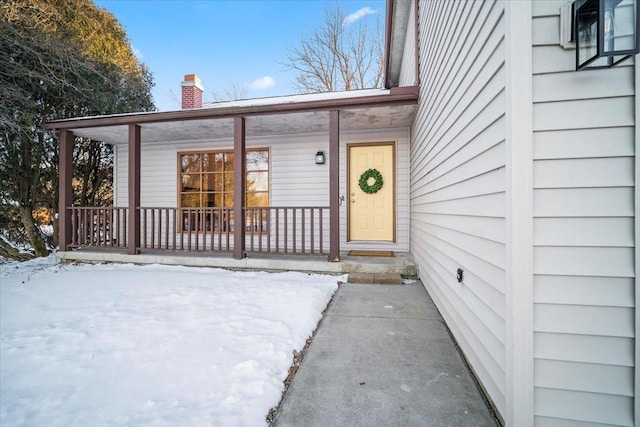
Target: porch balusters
point(286, 230)
point(270, 230)
point(103, 227)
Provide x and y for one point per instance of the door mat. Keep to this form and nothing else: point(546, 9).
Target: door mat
point(371, 253)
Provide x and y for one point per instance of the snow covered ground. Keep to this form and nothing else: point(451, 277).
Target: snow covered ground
point(149, 345)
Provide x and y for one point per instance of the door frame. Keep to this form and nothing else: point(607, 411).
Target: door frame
point(394, 189)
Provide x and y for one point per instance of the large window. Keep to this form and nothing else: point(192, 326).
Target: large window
point(206, 180)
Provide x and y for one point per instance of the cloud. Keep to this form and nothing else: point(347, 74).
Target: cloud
point(262, 83)
point(353, 17)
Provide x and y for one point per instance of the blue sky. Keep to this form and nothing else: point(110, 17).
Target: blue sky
point(238, 42)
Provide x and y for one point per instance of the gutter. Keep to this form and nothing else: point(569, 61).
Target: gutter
point(387, 42)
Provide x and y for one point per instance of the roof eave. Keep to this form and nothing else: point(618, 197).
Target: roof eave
point(395, 34)
point(397, 96)
point(387, 42)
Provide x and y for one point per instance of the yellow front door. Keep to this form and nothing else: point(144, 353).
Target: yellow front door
point(371, 216)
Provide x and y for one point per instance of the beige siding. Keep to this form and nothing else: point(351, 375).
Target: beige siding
point(583, 224)
point(458, 203)
point(408, 66)
point(295, 179)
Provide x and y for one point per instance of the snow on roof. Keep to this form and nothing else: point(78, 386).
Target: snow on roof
point(253, 102)
point(290, 99)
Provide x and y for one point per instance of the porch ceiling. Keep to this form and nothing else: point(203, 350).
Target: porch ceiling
point(368, 118)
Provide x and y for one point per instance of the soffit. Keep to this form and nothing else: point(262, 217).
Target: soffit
point(369, 118)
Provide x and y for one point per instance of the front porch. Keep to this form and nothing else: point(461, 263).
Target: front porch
point(232, 181)
point(275, 238)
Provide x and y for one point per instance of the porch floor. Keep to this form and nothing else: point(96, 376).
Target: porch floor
point(401, 263)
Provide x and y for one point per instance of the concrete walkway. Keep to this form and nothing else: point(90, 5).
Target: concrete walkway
point(382, 357)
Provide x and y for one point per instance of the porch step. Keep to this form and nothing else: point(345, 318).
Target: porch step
point(401, 263)
point(375, 278)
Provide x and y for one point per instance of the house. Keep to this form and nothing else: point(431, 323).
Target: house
point(508, 176)
point(523, 175)
point(179, 169)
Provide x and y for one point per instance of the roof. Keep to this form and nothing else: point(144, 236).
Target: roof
point(300, 98)
point(360, 109)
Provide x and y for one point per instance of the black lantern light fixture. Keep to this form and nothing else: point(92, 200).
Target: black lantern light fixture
point(606, 32)
point(320, 158)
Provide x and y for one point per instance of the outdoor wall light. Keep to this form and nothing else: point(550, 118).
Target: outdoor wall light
point(605, 32)
point(320, 158)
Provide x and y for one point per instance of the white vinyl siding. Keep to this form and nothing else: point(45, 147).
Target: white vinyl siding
point(295, 179)
point(583, 234)
point(408, 66)
point(458, 199)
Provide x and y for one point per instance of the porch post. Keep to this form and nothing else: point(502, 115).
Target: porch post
point(134, 190)
point(239, 183)
point(334, 185)
point(65, 197)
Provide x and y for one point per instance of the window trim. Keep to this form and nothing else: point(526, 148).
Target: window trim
point(179, 174)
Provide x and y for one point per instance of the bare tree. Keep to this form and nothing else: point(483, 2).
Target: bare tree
point(344, 53)
point(233, 93)
point(176, 101)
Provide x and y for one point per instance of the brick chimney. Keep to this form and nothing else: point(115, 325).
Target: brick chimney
point(191, 92)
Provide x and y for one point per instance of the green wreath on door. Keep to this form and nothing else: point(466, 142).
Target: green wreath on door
point(374, 187)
